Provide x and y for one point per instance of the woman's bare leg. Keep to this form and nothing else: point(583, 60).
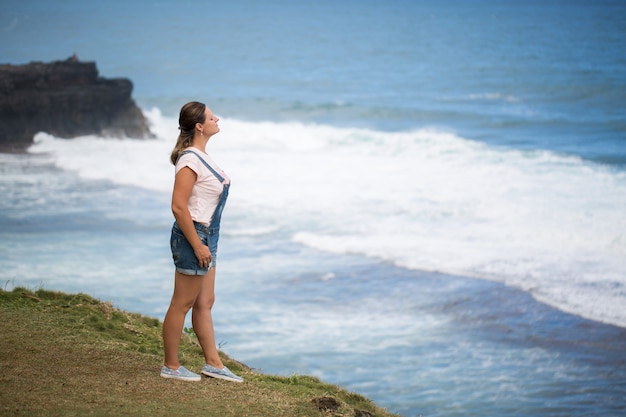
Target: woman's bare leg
point(202, 320)
point(186, 290)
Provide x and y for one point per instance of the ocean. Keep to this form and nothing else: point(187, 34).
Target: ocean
point(428, 200)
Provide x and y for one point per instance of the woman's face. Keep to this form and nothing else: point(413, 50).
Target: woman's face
point(210, 127)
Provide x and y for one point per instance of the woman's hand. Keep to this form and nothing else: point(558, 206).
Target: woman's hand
point(204, 256)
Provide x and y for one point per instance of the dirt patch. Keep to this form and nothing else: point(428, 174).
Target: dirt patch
point(326, 403)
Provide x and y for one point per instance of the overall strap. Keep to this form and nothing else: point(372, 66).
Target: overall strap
point(219, 177)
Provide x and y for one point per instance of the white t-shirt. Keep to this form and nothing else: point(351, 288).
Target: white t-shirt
point(207, 189)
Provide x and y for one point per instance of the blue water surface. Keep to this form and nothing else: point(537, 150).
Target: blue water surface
point(531, 74)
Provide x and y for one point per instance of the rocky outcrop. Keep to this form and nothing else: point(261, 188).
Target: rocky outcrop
point(66, 99)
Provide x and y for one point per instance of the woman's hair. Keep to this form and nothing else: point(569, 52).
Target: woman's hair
point(190, 114)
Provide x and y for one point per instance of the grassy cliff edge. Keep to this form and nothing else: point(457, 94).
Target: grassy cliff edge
point(70, 354)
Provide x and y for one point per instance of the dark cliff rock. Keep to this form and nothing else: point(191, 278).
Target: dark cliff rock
point(66, 99)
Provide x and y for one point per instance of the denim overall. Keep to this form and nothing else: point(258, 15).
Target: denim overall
point(182, 252)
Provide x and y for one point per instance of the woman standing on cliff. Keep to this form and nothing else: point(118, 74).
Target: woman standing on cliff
point(200, 192)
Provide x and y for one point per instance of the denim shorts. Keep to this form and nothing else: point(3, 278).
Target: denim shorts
point(183, 254)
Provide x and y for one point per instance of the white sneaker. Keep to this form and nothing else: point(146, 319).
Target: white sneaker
point(225, 373)
point(181, 373)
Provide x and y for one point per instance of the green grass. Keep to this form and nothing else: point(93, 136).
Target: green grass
point(72, 355)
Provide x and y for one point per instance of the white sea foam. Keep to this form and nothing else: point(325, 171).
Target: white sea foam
point(549, 224)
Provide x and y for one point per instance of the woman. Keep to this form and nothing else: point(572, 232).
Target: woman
point(200, 192)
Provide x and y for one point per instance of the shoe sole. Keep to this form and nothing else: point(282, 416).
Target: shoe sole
point(182, 378)
point(220, 376)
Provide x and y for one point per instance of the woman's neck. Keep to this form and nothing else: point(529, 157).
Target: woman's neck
point(199, 142)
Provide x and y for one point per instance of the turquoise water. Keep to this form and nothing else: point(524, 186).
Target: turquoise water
point(427, 200)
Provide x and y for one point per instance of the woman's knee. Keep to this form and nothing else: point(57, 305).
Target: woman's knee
point(182, 303)
point(203, 303)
